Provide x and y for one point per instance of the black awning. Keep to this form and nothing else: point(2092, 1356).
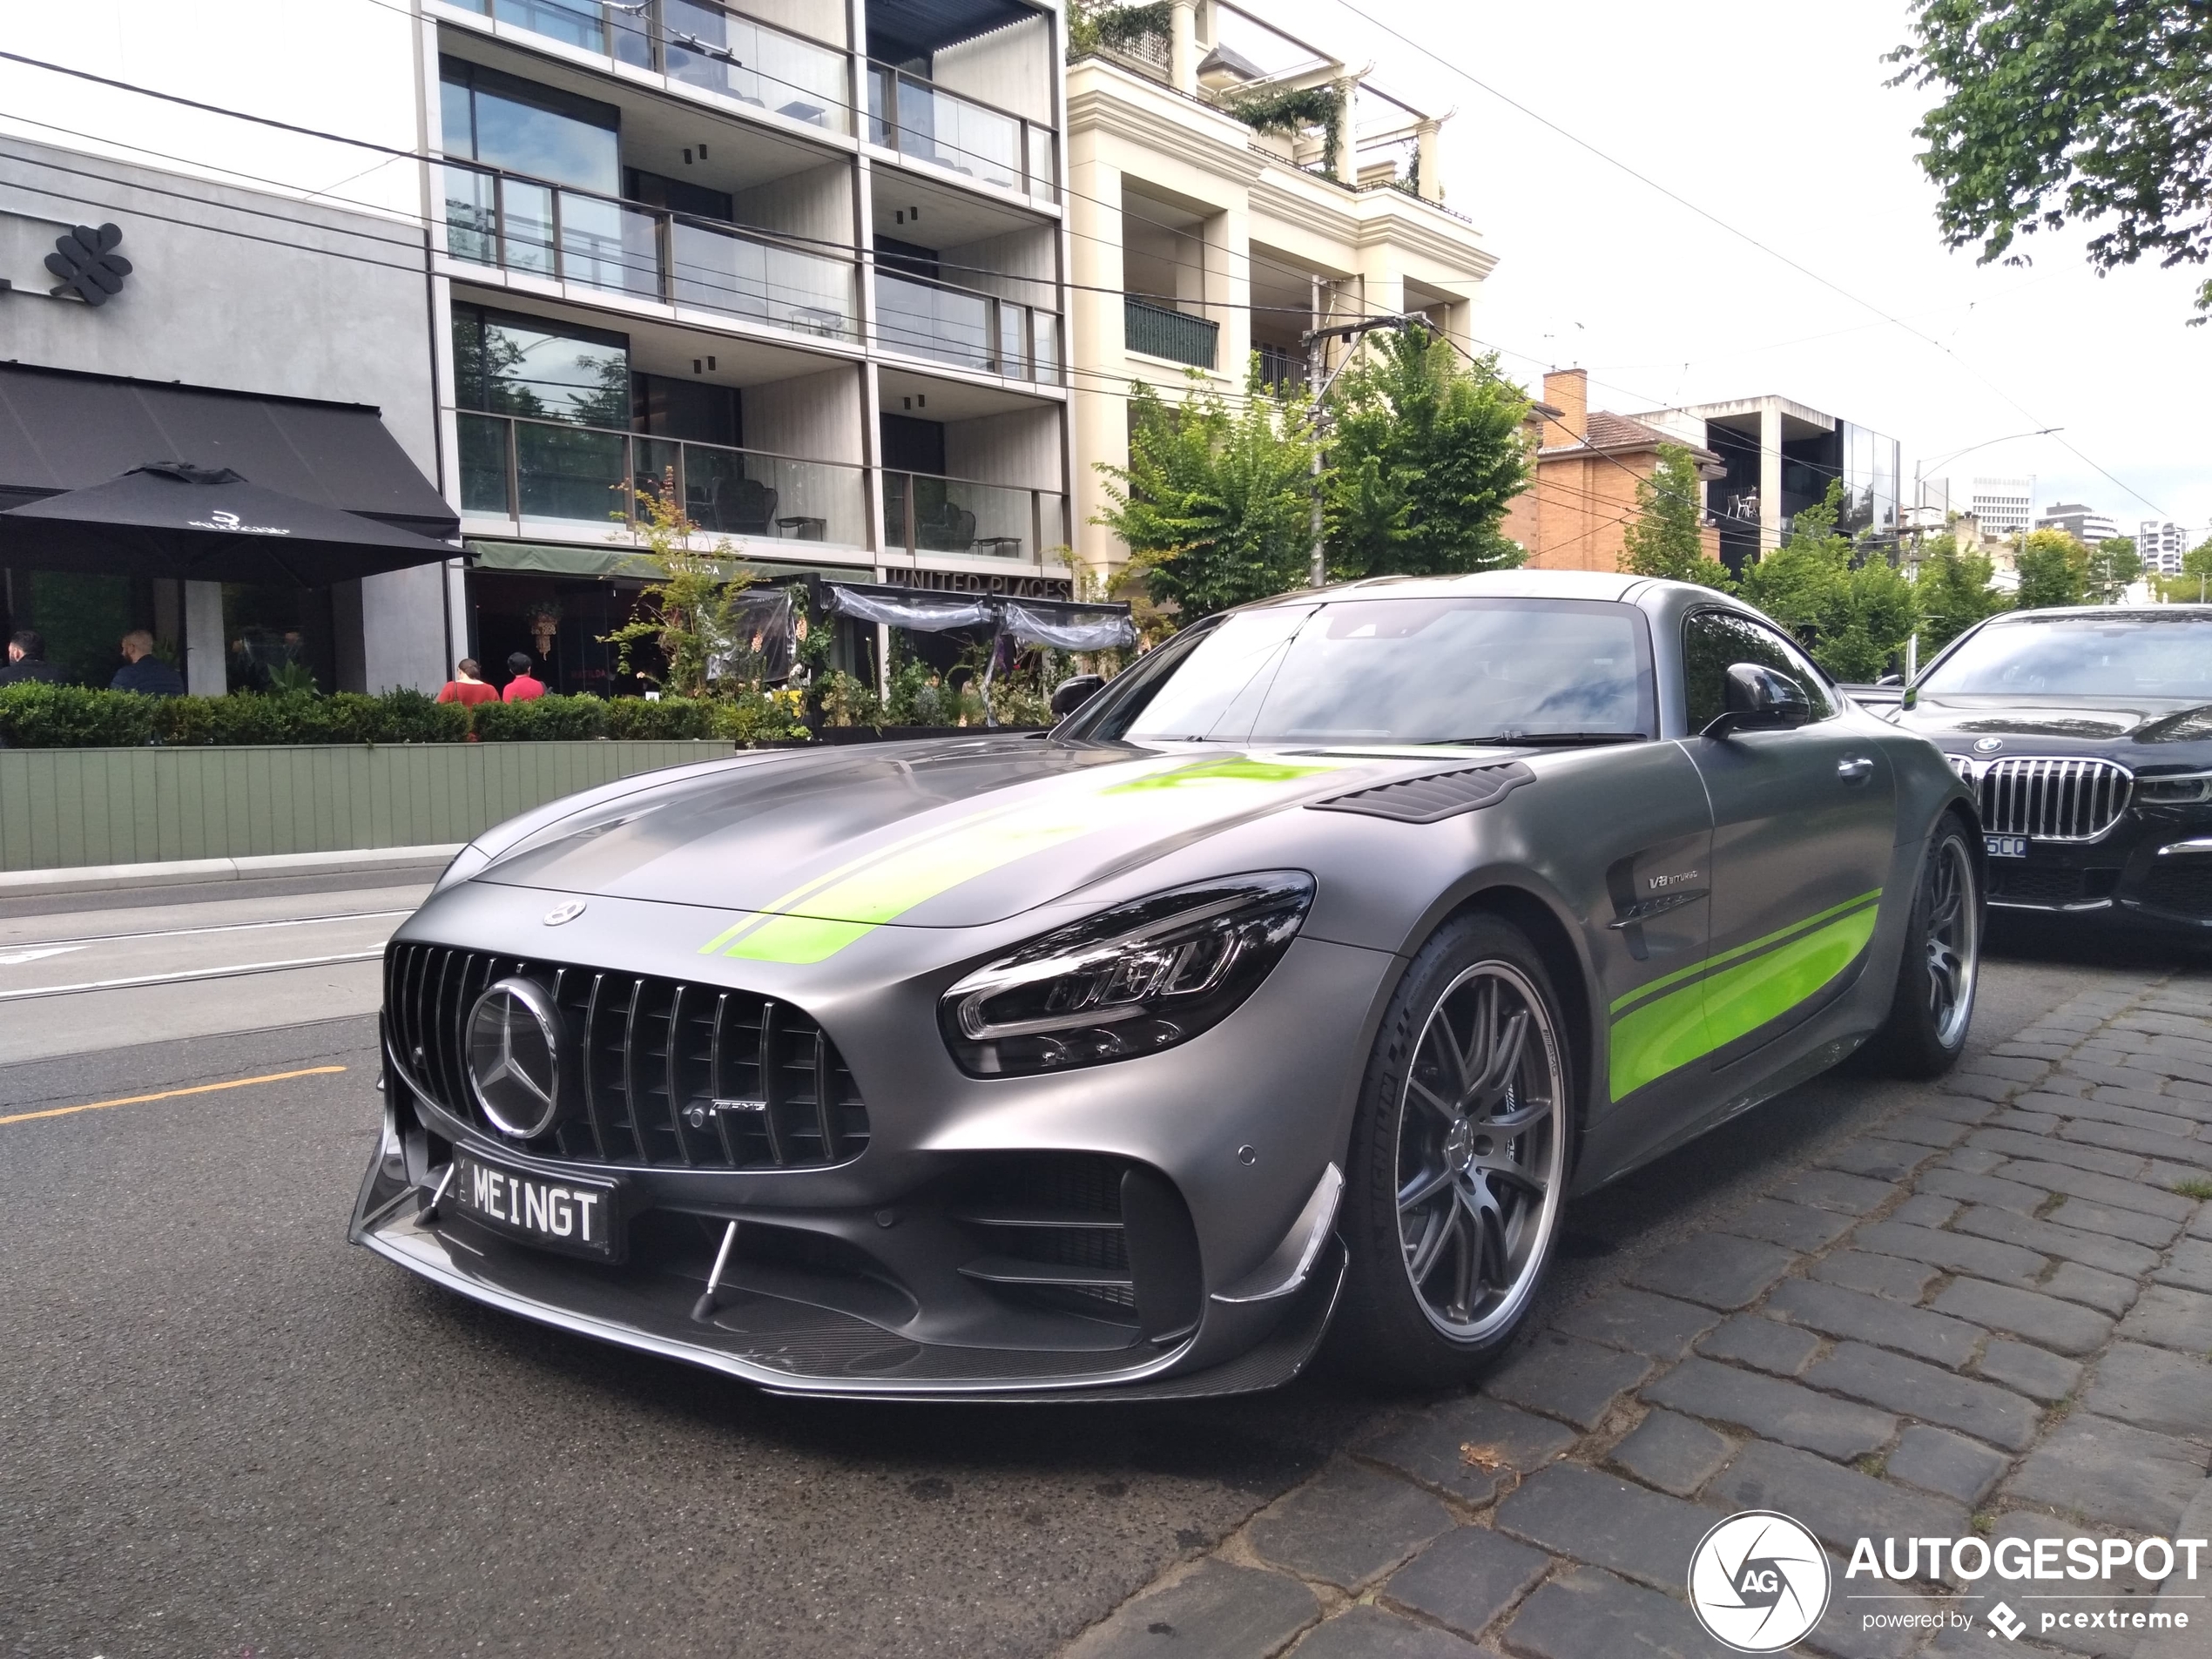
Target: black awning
point(61, 430)
point(1063, 624)
point(174, 520)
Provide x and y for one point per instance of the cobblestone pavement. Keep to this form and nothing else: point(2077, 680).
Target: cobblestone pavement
point(1990, 1313)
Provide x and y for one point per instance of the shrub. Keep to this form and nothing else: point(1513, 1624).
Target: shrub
point(36, 716)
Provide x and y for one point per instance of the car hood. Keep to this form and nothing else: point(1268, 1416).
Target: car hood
point(953, 835)
point(2043, 727)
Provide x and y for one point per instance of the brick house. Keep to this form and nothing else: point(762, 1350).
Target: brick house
point(1588, 464)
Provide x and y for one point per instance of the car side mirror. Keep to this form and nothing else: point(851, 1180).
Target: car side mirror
point(1072, 693)
point(1756, 699)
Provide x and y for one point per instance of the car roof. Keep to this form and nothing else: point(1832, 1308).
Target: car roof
point(2107, 613)
point(1501, 584)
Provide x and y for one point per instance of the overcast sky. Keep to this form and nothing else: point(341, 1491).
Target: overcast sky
point(1772, 115)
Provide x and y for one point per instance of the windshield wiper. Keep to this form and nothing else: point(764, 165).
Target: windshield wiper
point(1539, 739)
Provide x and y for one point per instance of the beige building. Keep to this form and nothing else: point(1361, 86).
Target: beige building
point(1197, 241)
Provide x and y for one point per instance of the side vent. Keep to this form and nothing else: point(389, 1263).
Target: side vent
point(1440, 795)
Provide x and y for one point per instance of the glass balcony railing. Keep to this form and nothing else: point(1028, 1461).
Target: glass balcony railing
point(574, 236)
point(701, 44)
point(1158, 332)
point(518, 468)
point(916, 118)
point(977, 331)
point(929, 514)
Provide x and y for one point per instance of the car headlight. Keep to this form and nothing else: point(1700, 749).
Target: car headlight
point(1130, 981)
point(2175, 789)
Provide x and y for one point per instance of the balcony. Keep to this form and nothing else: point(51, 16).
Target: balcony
point(520, 469)
point(519, 224)
point(977, 331)
point(929, 514)
point(1175, 336)
point(699, 45)
point(991, 146)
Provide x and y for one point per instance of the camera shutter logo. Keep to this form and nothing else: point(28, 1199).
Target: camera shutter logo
point(86, 261)
point(515, 1058)
point(1758, 1581)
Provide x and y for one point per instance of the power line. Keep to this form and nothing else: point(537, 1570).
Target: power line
point(1743, 235)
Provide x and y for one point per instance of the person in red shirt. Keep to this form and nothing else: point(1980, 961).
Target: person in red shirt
point(469, 687)
point(525, 685)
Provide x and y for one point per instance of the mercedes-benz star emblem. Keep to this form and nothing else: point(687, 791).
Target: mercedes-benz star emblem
point(1988, 745)
point(560, 913)
point(515, 1058)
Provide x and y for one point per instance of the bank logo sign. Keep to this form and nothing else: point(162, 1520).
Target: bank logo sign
point(1759, 1582)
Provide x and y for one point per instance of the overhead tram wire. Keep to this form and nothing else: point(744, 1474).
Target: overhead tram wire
point(1360, 314)
point(1743, 235)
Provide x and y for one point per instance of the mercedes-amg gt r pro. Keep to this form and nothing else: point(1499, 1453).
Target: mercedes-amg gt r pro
point(1286, 990)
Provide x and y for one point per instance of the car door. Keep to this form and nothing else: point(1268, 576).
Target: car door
point(1803, 827)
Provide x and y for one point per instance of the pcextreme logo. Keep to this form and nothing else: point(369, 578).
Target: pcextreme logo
point(1758, 1581)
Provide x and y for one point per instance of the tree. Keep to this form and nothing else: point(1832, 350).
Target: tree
point(2054, 570)
point(1424, 456)
point(2058, 112)
point(1850, 608)
point(2112, 564)
point(1955, 592)
point(1667, 536)
point(1215, 504)
point(690, 615)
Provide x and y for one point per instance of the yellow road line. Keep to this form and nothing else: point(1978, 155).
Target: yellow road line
point(171, 1094)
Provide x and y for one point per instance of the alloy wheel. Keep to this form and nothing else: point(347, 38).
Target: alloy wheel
point(1480, 1152)
point(1953, 942)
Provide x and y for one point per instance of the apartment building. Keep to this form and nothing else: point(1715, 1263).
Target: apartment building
point(1202, 242)
point(1779, 456)
point(2085, 524)
point(797, 264)
point(2160, 543)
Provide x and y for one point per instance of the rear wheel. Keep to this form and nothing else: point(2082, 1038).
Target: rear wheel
point(1937, 973)
point(1458, 1160)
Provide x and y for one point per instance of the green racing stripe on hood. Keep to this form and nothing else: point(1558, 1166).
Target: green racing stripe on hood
point(819, 918)
point(1693, 1021)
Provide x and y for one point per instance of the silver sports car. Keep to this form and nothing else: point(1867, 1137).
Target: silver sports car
point(1285, 992)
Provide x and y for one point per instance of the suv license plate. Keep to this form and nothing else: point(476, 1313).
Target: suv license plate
point(575, 1218)
point(2005, 847)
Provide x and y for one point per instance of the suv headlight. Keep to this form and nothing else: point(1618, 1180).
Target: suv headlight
point(2174, 789)
point(1131, 981)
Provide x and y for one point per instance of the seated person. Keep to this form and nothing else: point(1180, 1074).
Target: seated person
point(468, 684)
point(143, 671)
point(525, 685)
point(27, 661)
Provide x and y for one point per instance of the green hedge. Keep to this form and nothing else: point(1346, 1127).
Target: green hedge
point(71, 717)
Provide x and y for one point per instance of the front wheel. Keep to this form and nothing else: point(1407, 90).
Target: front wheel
point(1925, 1032)
point(1457, 1160)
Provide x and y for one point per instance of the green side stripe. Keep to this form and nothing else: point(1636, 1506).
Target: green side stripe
point(1711, 962)
point(1687, 1024)
point(854, 899)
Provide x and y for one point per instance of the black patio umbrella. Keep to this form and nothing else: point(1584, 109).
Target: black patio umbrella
point(172, 519)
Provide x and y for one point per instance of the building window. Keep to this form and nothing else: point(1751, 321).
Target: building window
point(505, 364)
point(519, 126)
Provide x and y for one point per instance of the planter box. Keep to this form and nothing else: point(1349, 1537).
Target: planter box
point(64, 807)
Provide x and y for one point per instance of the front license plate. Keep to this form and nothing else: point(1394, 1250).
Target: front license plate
point(2005, 847)
point(577, 1218)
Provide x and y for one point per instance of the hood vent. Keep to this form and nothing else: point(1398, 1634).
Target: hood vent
point(1440, 795)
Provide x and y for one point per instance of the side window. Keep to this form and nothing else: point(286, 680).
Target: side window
point(1714, 641)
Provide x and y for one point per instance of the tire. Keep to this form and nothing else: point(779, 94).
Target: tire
point(1941, 966)
point(1423, 1304)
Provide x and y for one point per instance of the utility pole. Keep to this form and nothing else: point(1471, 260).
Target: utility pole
point(1319, 379)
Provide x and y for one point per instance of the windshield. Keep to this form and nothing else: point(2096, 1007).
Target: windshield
point(2082, 657)
point(1399, 671)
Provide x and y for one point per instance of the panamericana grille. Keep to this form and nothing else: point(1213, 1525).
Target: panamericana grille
point(2053, 799)
point(665, 1073)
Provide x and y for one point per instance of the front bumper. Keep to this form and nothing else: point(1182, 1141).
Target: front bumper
point(828, 1326)
point(2152, 872)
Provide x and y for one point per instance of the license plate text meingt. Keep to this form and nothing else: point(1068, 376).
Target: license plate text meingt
point(564, 1214)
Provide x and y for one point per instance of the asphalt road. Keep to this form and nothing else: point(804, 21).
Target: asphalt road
point(223, 1432)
